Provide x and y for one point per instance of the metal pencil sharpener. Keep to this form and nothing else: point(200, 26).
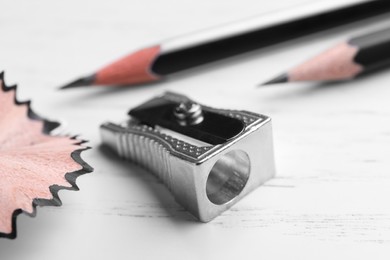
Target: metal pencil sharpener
point(209, 158)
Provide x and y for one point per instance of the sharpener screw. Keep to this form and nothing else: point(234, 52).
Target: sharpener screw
point(188, 113)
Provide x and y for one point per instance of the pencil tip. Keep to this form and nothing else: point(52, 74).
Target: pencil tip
point(279, 79)
point(85, 81)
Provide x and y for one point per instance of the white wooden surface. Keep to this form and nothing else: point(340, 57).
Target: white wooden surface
point(328, 201)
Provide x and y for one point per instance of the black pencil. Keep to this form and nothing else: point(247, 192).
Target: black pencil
point(172, 56)
point(346, 60)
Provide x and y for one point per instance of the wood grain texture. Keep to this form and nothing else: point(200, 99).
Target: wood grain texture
point(329, 199)
point(336, 63)
point(131, 69)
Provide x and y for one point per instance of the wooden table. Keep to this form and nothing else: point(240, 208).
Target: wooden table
point(328, 200)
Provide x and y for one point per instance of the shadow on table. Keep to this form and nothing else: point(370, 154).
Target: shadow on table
point(94, 92)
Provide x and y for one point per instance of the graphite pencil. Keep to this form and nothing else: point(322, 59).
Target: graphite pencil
point(344, 61)
point(182, 53)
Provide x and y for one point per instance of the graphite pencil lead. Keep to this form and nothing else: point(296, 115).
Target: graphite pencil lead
point(279, 79)
point(81, 82)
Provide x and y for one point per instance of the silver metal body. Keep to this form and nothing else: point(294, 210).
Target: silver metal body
point(205, 179)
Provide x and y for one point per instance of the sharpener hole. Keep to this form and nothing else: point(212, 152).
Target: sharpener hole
point(228, 177)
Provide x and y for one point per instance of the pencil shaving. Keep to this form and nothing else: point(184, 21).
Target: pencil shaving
point(34, 164)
